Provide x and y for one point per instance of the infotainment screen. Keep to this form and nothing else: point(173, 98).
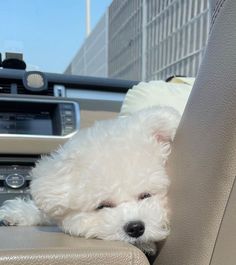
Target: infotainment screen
point(37, 117)
point(39, 123)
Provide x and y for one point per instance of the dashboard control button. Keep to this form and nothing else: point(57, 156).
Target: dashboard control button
point(15, 181)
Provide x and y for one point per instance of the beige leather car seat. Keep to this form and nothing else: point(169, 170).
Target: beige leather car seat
point(49, 246)
point(202, 166)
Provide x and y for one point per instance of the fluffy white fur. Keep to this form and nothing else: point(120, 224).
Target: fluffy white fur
point(114, 162)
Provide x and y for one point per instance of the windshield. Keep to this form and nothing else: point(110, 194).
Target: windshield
point(128, 39)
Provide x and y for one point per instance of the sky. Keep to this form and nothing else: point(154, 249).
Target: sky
point(48, 32)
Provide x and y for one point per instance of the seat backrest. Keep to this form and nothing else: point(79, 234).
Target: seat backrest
point(202, 165)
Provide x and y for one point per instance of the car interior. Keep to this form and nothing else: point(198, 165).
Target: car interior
point(201, 166)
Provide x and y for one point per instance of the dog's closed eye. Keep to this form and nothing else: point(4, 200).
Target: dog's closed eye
point(144, 195)
point(105, 204)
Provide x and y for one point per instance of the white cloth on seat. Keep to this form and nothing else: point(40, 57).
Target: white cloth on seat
point(158, 93)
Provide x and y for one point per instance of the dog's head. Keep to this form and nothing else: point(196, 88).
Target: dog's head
point(110, 181)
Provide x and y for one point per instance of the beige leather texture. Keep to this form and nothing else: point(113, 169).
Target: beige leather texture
point(48, 246)
point(93, 110)
point(214, 5)
point(224, 252)
point(88, 117)
point(202, 165)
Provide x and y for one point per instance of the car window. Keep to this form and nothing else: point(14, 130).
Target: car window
point(128, 39)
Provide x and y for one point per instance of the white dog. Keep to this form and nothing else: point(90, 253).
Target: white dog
point(108, 182)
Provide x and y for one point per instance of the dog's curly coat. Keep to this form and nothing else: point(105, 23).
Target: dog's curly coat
point(108, 182)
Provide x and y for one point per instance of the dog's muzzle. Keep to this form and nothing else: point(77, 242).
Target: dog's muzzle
point(134, 228)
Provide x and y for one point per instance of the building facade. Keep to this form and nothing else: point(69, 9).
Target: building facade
point(92, 57)
point(125, 39)
point(145, 40)
point(176, 35)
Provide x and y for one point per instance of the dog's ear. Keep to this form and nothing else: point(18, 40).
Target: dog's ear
point(159, 122)
point(50, 185)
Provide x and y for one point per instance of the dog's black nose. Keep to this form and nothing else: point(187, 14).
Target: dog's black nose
point(134, 228)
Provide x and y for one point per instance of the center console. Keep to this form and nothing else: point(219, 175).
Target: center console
point(31, 127)
point(15, 176)
point(36, 126)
